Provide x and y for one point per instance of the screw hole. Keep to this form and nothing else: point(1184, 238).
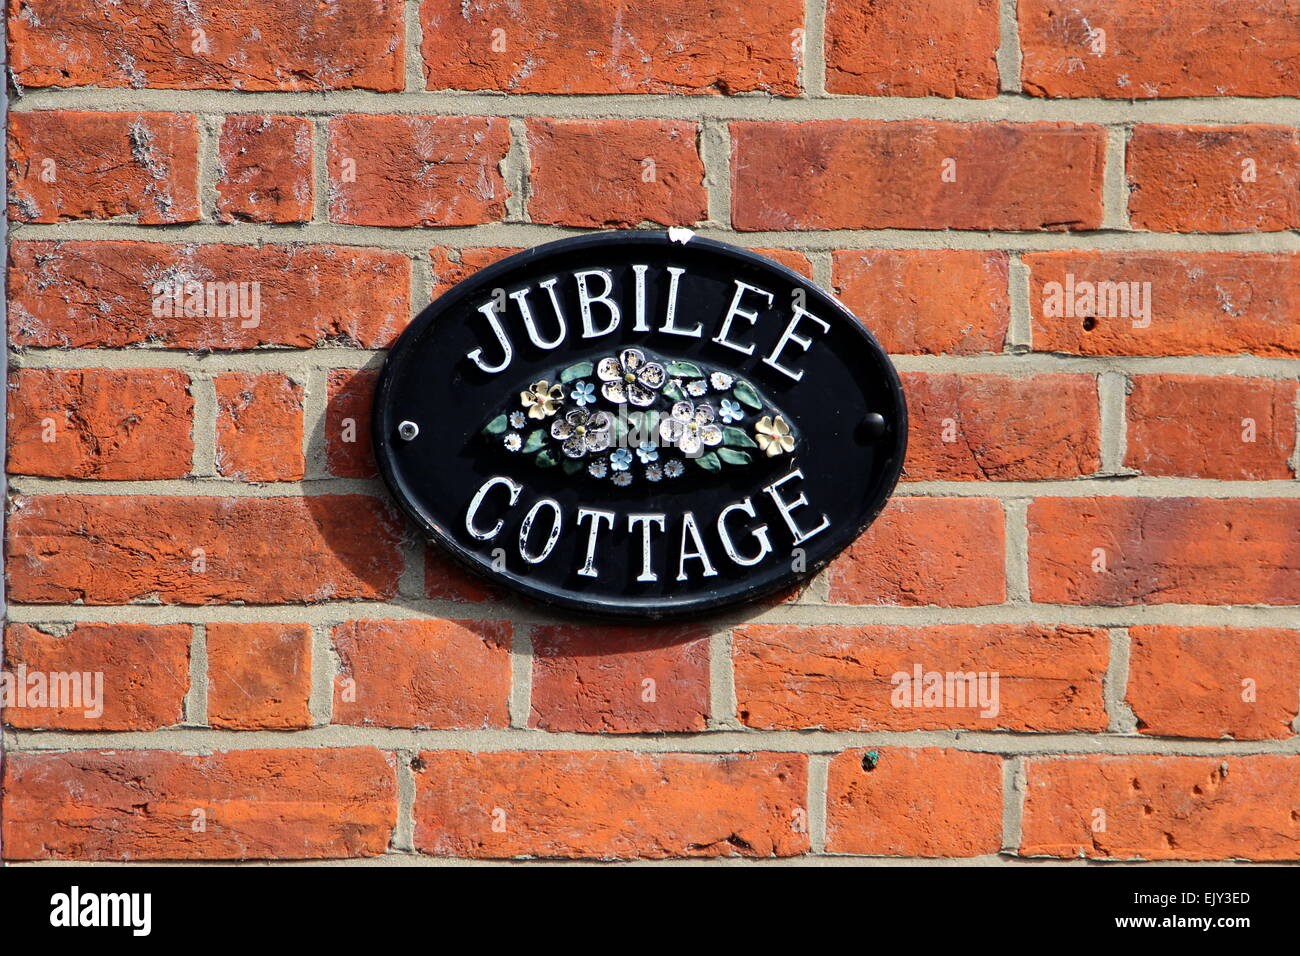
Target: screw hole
point(1089, 324)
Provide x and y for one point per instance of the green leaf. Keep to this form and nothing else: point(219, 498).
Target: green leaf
point(545, 459)
point(571, 466)
point(733, 457)
point(673, 393)
point(536, 439)
point(736, 437)
point(684, 370)
point(496, 427)
point(709, 462)
point(575, 372)
point(745, 392)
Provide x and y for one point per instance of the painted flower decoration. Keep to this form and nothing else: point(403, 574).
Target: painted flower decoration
point(542, 400)
point(584, 393)
point(730, 411)
point(674, 468)
point(721, 381)
point(513, 442)
point(647, 452)
point(622, 478)
point(653, 472)
point(517, 419)
point(691, 428)
point(697, 388)
point(621, 459)
point(630, 378)
point(582, 431)
point(598, 468)
point(773, 435)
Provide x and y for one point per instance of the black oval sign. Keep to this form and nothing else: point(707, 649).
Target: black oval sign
point(640, 426)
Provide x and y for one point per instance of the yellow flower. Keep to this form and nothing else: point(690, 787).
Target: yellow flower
point(773, 435)
point(542, 400)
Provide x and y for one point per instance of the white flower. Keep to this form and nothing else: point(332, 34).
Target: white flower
point(630, 378)
point(513, 442)
point(582, 431)
point(517, 420)
point(674, 469)
point(653, 472)
point(691, 428)
point(598, 468)
point(622, 478)
point(721, 381)
point(697, 388)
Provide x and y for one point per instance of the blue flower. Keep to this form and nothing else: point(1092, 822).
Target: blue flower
point(730, 411)
point(584, 393)
point(647, 452)
point(621, 459)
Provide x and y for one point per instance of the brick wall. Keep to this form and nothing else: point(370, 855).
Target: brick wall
point(1100, 503)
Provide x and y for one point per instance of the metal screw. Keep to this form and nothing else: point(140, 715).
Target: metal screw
point(408, 430)
point(874, 424)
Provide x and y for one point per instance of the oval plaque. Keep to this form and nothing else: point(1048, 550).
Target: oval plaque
point(640, 425)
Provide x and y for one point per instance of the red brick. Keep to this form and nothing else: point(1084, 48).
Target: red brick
point(447, 580)
point(591, 46)
point(289, 45)
point(1163, 808)
point(620, 679)
point(295, 804)
point(445, 675)
point(451, 266)
point(1189, 48)
point(1191, 681)
point(71, 165)
point(145, 670)
point(598, 173)
point(1165, 550)
point(866, 174)
point(792, 677)
point(921, 48)
point(349, 452)
point(417, 170)
point(927, 301)
point(611, 804)
point(1191, 178)
point(259, 676)
point(1202, 303)
point(109, 549)
point(930, 802)
point(266, 169)
point(119, 424)
point(1197, 425)
point(259, 426)
point(938, 551)
point(1001, 427)
point(796, 261)
point(101, 295)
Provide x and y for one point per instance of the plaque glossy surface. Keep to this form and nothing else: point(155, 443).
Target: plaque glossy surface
point(640, 427)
